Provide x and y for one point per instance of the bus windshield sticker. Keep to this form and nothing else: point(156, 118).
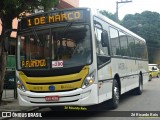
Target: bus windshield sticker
point(56, 64)
point(33, 63)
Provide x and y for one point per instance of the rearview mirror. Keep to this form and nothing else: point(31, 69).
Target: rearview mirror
point(105, 39)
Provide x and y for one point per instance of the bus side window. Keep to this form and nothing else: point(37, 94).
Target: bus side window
point(115, 44)
point(100, 49)
point(131, 46)
point(123, 44)
point(102, 52)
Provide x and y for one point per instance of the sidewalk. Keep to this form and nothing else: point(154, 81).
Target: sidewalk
point(12, 105)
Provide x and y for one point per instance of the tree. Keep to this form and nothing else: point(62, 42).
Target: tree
point(146, 25)
point(10, 9)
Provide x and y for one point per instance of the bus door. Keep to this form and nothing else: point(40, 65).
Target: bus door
point(103, 59)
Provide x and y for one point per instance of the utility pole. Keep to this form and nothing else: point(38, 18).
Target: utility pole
point(126, 1)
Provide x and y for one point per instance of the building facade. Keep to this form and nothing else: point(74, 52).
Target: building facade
point(68, 4)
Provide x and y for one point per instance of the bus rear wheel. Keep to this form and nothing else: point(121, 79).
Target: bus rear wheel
point(139, 89)
point(115, 95)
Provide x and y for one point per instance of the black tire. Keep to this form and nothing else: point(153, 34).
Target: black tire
point(158, 75)
point(150, 77)
point(115, 95)
point(1, 93)
point(139, 89)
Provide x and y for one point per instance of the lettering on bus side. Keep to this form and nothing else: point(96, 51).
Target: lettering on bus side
point(121, 66)
point(54, 18)
point(33, 63)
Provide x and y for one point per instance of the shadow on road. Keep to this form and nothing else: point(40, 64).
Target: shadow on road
point(101, 110)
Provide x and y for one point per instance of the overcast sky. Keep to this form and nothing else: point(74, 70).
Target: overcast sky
point(136, 6)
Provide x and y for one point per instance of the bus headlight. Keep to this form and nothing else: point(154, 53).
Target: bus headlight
point(89, 80)
point(20, 85)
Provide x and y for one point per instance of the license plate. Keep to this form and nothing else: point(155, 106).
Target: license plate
point(52, 98)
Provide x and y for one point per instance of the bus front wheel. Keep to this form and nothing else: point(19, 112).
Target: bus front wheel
point(115, 95)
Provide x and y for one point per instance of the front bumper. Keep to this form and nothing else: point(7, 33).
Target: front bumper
point(80, 97)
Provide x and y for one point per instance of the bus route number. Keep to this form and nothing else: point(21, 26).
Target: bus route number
point(57, 64)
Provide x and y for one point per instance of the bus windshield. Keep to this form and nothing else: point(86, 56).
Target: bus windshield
point(63, 46)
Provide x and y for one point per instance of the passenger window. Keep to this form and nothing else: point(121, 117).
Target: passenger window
point(123, 44)
point(137, 48)
point(143, 49)
point(102, 52)
point(115, 45)
point(131, 46)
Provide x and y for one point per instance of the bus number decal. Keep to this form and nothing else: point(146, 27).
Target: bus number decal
point(57, 64)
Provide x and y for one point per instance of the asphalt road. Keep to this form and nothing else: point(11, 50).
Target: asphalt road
point(132, 107)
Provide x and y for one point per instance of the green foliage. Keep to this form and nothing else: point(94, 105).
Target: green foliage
point(9, 9)
point(47, 4)
point(146, 25)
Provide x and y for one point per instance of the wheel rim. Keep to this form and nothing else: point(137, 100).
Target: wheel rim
point(116, 94)
point(140, 86)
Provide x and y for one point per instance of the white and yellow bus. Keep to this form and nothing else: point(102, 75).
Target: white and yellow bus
point(77, 57)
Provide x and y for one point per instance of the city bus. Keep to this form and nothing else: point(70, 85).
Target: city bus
point(77, 57)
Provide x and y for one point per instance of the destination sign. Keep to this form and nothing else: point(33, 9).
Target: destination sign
point(53, 17)
point(33, 63)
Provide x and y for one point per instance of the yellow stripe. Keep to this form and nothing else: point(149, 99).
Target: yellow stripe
point(67, 86)
point(58, 87)
point(110, 72)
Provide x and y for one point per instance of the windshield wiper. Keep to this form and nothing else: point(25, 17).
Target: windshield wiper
point(36, 36)
point(67, 26)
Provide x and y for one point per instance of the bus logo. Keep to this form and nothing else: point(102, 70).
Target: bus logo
point(51, 88)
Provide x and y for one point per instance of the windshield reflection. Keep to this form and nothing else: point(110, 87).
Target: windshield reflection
point(73, 46)
point(59, 48)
